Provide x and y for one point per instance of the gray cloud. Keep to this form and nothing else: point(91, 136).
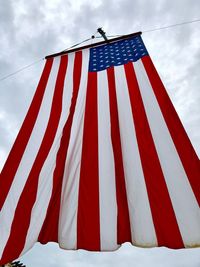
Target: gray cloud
point(126, 256)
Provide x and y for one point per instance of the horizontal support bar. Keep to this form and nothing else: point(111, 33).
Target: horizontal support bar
point(95, 44)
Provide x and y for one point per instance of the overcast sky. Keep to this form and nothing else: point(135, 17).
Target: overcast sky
point(30, 30)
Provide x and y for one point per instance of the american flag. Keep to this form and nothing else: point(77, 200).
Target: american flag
point(101, 159)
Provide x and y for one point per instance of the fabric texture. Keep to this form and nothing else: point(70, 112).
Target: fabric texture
point(101, 159)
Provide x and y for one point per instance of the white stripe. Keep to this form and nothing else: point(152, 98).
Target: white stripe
point(107, 188)
point(183, 200)
point(46, 175)
point(8, 210)
point(69, 199)
point(142, 227)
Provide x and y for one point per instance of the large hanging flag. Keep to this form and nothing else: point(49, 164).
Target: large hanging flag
point(101, 158)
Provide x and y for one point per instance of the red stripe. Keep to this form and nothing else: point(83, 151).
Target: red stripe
point(8, 173)
point(27, 199)
point(88, 224)
point(166, 227)
point(49, 230)
point(181, 141)
point(123, 222)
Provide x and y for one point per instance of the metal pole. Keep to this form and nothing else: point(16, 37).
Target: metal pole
point(103, 34)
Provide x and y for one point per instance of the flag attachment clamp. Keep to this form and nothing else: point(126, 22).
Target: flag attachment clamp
point(103, 34)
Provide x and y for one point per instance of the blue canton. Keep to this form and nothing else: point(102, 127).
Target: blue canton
point(116, 53)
